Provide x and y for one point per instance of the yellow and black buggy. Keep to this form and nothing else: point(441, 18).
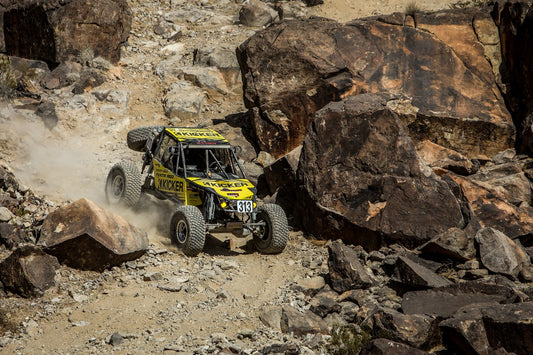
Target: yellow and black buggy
point(198, 169)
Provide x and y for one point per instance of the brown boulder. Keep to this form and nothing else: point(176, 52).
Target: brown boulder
point(490, 207)
point(360, 174)
point(300, 324)
point(57, 31)
point(293, 68)
point(28, 271)
point(84, 236)
point(437, 156)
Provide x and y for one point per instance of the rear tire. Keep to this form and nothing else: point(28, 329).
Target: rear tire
point(123, 185)
point(271, 238)
point(138, 137)
point(187, 230)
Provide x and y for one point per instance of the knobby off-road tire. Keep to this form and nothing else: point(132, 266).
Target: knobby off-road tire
point(137, 137)
point(273, 237)
point(187, 230)
point(123, 185)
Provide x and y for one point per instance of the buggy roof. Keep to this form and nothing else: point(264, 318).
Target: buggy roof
point(198, 136)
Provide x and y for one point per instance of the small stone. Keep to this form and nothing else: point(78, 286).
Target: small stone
point(5, 214)
point(115, 339)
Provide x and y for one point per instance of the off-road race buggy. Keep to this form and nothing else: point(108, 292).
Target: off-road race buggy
point(197, 169)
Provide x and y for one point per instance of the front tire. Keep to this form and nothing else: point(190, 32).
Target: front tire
point(187, 230)
point(273, 236)
point(123, 185)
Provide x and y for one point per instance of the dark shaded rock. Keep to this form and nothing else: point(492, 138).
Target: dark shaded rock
point(313, 2)
point(116, 339)
point(283, 171)
point(445, 301)
point(514, 20)
point(63, 75)
point(299, 324)
point(28, 271)
point(325, 302)
point(255, 13)
point(11, 236)
point(361, 178)
point(415, 275)
point(454, 244)
point(417, 330)
point(89, 79)
point(484, 328)
point(47, 111)
point(55, 31)
point(499, 253)
point(446, 77)
point(490, 208)
point(345, 270)
point(437, 156)
point(7, 179)
point(383, 346)
point(84, 236)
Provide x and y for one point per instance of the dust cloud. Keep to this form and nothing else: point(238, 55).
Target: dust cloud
point(68, 163)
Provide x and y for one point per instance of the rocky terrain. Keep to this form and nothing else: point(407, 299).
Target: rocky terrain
point(415, 237)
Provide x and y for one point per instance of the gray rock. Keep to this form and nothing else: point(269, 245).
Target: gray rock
point(47, 111)
point(454, 244)
point(416, 330)
point(204, 77)
point(183, 100)
point(383, 346)
point(271, 317)
point(255, 13)
point(297, 323)
point(345, 270)
point(413, 274)
point(5, 214)
point(499, 253)
point(324, 303)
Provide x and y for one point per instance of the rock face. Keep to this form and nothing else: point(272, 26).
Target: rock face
point(514, 21)
point(361, 175)
point(84, 236)
point(28, 271)
point(293, 68)
point(56, 31)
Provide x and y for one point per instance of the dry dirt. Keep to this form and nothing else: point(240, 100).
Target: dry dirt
point(163, 301)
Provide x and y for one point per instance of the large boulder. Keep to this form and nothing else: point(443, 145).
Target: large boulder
point(84, 236)
point(28, 271)
point(483, 328)
point(293, 68)
point(57, 31)
point(360, 174)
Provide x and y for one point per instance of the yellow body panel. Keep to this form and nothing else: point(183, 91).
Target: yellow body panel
point(237, 189)
point(174, 186)
point(195, 134)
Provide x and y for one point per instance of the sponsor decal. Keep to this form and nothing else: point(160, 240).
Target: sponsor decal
point(170, 185)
